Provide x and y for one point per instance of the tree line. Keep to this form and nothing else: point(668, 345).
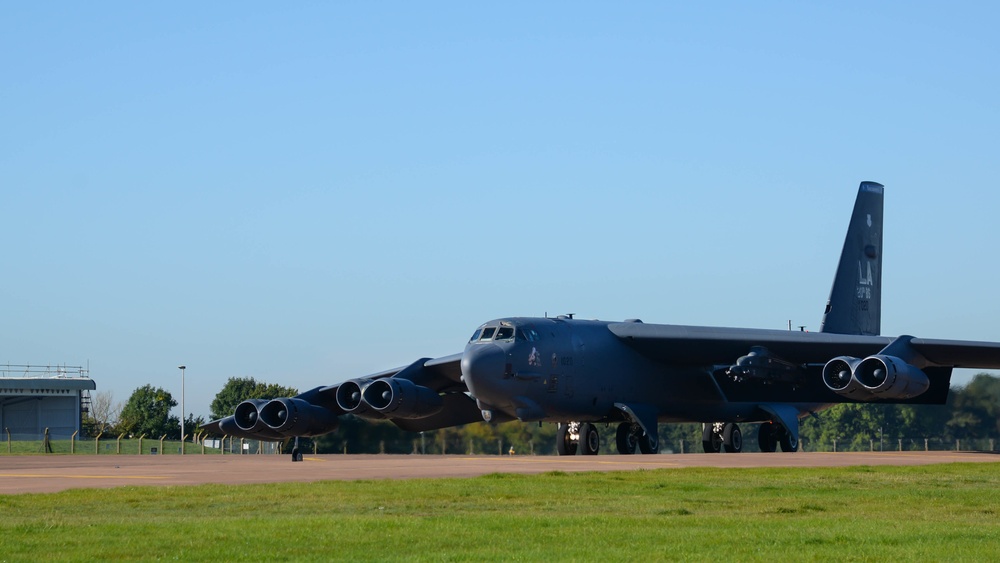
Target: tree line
point(971, 416)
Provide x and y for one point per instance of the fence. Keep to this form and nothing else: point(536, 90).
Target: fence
point(20, 444)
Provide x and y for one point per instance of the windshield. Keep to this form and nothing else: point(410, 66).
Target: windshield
point(505, 333)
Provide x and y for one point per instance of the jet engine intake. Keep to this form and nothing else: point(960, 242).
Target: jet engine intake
point(247, 415)
point(350, 398)
point(838, 375)
point(298, 417)
point(889, 377)
point(874, 378)
point(401, 398)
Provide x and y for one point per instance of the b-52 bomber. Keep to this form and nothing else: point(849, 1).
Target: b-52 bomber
point(579, 373)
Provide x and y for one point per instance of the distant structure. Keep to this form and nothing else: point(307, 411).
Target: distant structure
point(33, 398)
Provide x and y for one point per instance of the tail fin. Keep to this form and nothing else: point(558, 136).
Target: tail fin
point(855, 305)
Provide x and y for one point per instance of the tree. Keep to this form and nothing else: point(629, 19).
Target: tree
point(192, 423)
point(147, 412)
point(976, 408)
point(104, 412)
point(239, 389)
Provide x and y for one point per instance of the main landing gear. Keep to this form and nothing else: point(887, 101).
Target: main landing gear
point(630, 435)
point(577, 437)
point(581, 438)
point(771, 435)
point(726, 436)
point(718, 436)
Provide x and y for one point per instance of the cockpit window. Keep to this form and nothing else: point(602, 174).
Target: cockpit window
point(475, 335)
point(528, 333)
point(488, 333)
point(505, 333)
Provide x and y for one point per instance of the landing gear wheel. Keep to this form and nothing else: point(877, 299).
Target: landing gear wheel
point(649, 444)
point(767, 437)
point(788, 442)
point(732, 438)
point(590, 440)
point(627, 438)
point(296, 454)
point(711, 441)
point(567, 438)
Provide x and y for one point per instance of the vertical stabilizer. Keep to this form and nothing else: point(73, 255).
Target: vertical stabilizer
point(855, 305)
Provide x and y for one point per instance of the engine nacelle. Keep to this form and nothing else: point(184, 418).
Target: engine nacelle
point(874, 378)
point(889, 377)
point(838, 375)
point(229, 427)
point(247, 415)
point(401, 398)
point(298, 417)
point(350, 398)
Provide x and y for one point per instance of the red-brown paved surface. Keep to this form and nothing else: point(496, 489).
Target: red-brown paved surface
point(40, 473)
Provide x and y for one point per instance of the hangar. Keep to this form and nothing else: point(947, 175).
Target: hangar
point(33, 398)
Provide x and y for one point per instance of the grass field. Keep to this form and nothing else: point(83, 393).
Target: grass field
point(938, 512)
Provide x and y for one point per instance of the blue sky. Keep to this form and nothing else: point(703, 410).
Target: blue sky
point(310, 193)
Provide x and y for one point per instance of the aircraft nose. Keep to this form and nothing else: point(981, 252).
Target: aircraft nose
point(482, 368)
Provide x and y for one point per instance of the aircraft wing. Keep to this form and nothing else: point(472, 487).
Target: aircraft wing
point(792, 367)
point(425, 395)
point(441, 374)
point(695, 345)
point(699, 345)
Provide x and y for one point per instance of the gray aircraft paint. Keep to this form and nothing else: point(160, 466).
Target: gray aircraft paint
point(577, 372)
point(855, 302)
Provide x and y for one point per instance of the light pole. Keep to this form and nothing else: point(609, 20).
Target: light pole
point(182, 368)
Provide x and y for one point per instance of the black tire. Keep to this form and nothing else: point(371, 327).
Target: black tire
point(788, 442)
point(564, 444)
point(590, 440)
point(626, 439)
point(649, 444)
point(767, 437)
point(711, 442)
point(732, 438)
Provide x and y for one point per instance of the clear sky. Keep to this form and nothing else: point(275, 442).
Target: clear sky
point(307, 193)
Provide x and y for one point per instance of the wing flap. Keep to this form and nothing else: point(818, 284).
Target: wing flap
point(695, 345)
point(959, 353)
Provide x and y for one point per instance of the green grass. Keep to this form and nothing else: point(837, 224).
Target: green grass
point(109, 445)
point(942, 512)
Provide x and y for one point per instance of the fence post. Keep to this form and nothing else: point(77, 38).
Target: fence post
point(72, 442)
point(161, 443)
point(8, 438)
point(991, 445)
point(871, 444)
point(900, 444)
point(834, 445)
point(927, 447)
point(46, 442)
point(118, 447)
point(958, 445)
point(97, 443)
